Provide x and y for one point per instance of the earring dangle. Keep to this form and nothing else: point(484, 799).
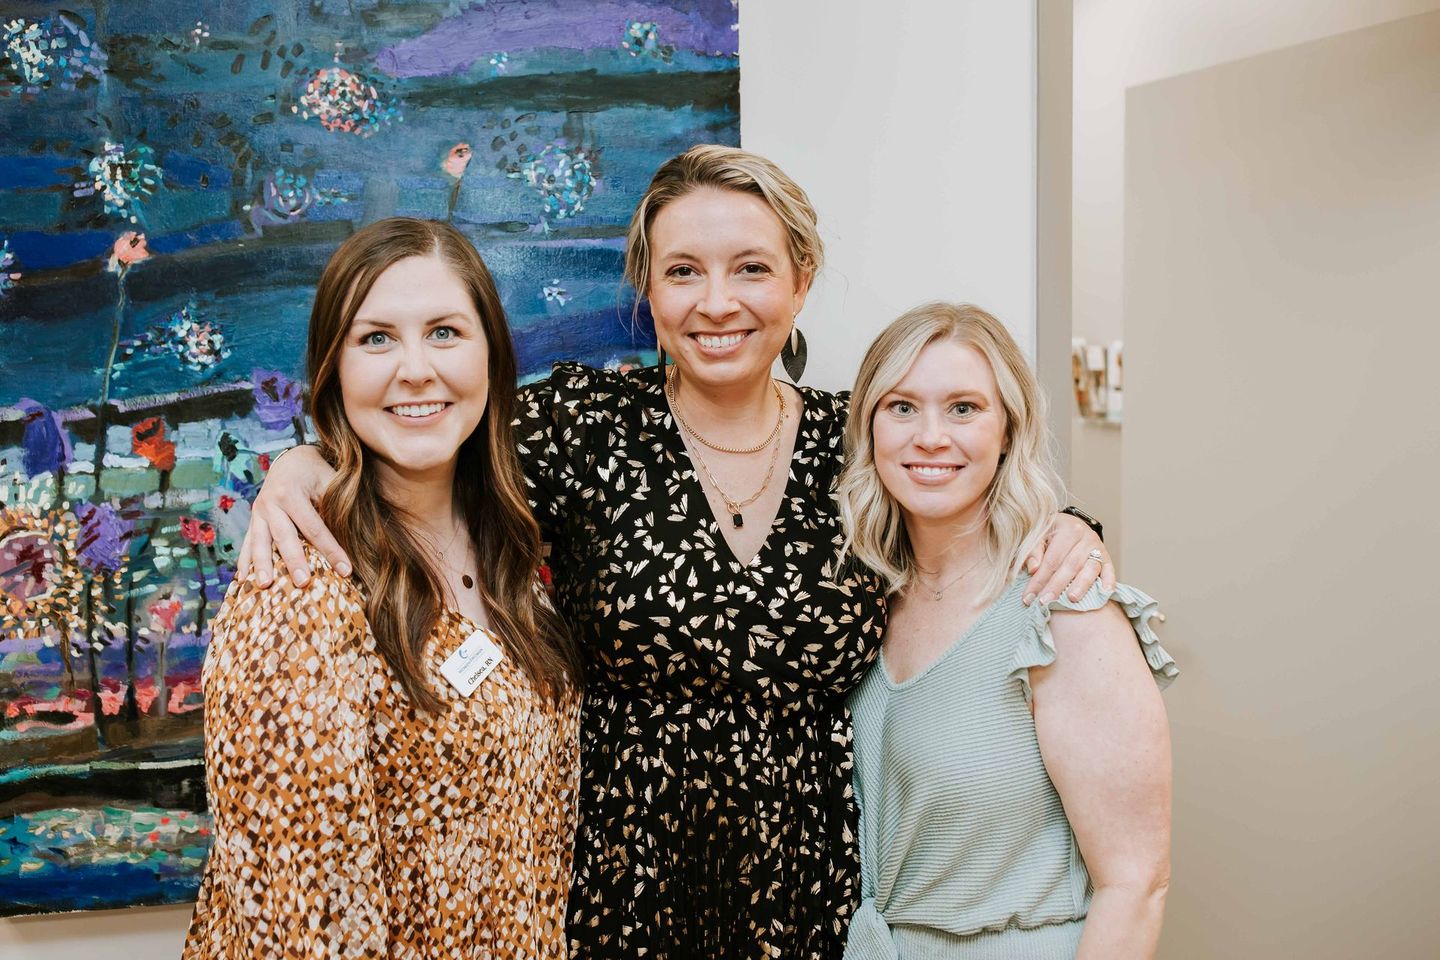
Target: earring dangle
point(794, 354)
point(662, 363)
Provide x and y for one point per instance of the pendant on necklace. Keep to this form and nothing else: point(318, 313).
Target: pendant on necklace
point(936, 598)
point(469, 582)
point(738, 520)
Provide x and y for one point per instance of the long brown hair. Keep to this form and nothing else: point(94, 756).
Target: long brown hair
point(403, 589)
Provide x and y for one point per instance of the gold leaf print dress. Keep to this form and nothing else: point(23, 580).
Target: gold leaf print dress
point(716, 814)
point(350, 824)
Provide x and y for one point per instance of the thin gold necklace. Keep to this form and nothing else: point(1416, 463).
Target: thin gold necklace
point(465, 578)
point(675, 409)
point(733, 506)
point(937, 594)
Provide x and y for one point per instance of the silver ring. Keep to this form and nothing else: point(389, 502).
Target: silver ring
point(1098, 557)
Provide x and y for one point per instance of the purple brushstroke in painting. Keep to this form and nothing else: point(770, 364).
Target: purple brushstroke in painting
point(103, 533)
point(454, 45)
point(46, 442)
point(278, 399)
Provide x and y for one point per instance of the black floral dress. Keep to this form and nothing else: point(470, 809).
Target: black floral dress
point(716, 814)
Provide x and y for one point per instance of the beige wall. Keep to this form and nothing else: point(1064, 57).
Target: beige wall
point(1282, 450)
point(1120, 44)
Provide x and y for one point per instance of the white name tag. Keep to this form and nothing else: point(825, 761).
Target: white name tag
point(472, 663)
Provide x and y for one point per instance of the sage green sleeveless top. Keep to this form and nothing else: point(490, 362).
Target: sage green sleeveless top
point(965, 850)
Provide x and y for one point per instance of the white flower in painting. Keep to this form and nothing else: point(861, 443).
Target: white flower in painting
point(554, 293)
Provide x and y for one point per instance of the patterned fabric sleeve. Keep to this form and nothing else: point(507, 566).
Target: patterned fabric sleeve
point(290, 687)
point(550, 415)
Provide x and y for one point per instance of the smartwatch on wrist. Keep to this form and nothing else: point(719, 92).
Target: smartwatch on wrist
point(1086, 519)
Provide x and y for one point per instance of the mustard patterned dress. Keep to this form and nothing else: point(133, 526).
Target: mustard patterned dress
point(350, 824)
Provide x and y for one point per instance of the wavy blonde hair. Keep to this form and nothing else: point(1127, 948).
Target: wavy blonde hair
point(724, 168)
point(1026, 491)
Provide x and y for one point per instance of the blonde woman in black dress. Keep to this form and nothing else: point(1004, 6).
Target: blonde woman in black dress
point(695, 535)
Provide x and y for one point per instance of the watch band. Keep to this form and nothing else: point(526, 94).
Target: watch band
point(1086, 519)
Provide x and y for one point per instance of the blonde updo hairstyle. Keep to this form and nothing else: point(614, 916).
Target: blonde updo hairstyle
point(1025, 493)
point(724, 168)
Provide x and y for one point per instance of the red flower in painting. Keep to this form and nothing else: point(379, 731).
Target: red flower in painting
point(546, 577)
point(163, 614)
point(264, 459)
point(147, 438)
point(198, 532)
point(457, 160)
point(129, 249)
point(226, 502)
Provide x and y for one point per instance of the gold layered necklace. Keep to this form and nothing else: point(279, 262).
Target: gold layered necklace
point(774, 433)
point(732, 506)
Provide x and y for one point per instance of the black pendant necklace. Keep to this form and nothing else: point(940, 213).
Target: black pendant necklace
point(738, 520)
point(468, 580)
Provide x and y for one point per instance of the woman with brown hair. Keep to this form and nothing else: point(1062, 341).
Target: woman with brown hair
point(695, 537)
point(391, 757)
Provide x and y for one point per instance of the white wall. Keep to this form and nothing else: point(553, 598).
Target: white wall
point(148, 933)
point(912, 127)
point(913, 130)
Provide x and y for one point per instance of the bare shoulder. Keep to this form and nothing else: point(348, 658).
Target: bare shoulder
point(1097, 654)
point(1105, 626)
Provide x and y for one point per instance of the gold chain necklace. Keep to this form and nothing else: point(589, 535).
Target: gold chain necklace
point(734, 507)
point(465, 577)
point(935, 594)
point(675, 409)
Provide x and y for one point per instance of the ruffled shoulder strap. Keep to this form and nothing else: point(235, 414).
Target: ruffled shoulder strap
point(1037, 646)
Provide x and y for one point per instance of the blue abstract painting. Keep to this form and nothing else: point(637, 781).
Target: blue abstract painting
point(173, 177)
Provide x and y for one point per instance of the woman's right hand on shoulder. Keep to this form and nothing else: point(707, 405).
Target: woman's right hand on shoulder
point(283, 514)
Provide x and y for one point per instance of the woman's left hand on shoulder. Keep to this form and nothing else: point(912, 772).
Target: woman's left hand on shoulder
point(1066, 560)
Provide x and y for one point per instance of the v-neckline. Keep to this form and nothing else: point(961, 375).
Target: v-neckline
point(690, 475)
point(895, 686)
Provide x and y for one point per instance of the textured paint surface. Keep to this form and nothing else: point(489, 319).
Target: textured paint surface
point(170, 189)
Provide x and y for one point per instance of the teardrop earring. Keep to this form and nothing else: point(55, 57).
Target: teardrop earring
point(793, 355)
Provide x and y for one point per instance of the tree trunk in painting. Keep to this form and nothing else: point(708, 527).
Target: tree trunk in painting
point(131, 710)
point(101, 407)
point(97, 703)
point(200, 608)
point(161, 705)
point(67, 655)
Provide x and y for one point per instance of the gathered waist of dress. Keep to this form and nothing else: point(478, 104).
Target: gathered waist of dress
point(709, 704)
point(872, 938)
point(1049, 941)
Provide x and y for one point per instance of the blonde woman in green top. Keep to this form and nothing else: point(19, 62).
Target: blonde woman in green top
point(1012, 761)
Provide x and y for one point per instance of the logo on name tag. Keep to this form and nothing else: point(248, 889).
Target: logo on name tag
point(468, 666)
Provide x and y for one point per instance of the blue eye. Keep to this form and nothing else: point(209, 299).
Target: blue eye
point(374, 339)
point(443, 333)
point(901, 408)
point(964, 409)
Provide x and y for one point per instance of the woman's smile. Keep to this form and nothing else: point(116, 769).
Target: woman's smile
point(419, 413)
